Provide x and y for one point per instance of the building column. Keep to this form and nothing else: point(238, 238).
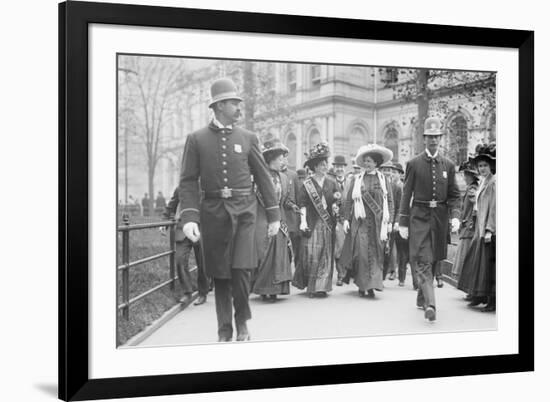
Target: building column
point(299, 139)
point(330, 133)
point(324, 129)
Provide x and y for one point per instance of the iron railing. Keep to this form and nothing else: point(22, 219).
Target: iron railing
point(126, 265)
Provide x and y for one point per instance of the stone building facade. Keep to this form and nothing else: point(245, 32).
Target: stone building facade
point(347, 106)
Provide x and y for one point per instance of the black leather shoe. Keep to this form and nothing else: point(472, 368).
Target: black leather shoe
point(186, 299)
point(201, 300)
point(361, 293)
point(429, 313)
point(224, 339)
point(468, 298)
point(489, 308)
point(370, 294)
point(439, 283)
point(476, 301)
point(401, 283)
point(339, 282)
point(392, 276)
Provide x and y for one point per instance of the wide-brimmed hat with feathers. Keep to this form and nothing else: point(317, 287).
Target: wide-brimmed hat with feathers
point(486, 152)
point(317, 153)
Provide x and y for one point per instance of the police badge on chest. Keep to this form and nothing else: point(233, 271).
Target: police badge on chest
point(238, 148)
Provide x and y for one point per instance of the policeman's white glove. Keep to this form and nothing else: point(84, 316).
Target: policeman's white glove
point(455, 225)
point(404, 232)
point(273, 228)
point(303, 225)
point(488, 236)
point(396, 227)
point(191, 231)
point(346, 226)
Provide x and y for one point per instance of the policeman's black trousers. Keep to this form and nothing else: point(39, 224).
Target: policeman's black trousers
point(232, 293)
point(425, 275)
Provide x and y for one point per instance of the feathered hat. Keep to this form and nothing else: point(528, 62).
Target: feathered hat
point(316, 154)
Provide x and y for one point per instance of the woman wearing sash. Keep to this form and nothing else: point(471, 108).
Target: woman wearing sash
point(274, 274)
point(368, 213)
point(318, 192)
point(479, 272)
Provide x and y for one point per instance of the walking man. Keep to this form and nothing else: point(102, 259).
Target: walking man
point(430, 183)
point(183, 252)
point(224, 157)
point(339, 163)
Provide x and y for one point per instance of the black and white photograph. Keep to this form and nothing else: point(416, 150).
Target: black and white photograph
point(263, 200)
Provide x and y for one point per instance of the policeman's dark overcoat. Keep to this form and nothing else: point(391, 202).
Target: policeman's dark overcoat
point(223, 158)
point(428, 179)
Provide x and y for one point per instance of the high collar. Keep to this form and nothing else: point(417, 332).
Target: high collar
point(217, 123)
point(429, 157)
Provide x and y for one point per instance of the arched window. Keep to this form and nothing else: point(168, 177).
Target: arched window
point(314, 137)
point(357, 138)
point(391, 141)
point(458, 139)
point(291, 145)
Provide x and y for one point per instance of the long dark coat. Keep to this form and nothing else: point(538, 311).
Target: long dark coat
point(479, 273)
point(429, 179)
point(222, 158)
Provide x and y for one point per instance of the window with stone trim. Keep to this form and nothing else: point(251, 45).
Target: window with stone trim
point(391, 141)
point(291, 77)
point(315, 71)
point(290, 143)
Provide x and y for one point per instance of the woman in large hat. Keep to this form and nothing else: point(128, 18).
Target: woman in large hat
point(479, 272)
point(274, 274)
point(368, 214)
point(466, 231)
point(317, 195)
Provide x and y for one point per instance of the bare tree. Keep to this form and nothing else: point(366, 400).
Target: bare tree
point(153, 86)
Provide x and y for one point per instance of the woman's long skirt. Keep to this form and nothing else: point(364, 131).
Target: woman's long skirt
point(274, 274)
point(479, 273)
point(315, 269)
point(367, 263)
point(461, 251)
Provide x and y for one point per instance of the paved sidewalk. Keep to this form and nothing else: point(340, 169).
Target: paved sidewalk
point(343, 313)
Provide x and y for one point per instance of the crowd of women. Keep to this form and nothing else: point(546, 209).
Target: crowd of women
point(348, 222)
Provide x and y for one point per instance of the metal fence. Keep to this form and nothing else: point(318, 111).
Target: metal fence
point(126, 265)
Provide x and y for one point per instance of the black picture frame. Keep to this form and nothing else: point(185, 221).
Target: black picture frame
point(74, 18)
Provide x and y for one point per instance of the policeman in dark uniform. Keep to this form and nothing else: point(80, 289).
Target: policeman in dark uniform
point(430, 183)
point(224, 158)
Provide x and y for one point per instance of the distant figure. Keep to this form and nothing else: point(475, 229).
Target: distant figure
point(302, 174)
point(145, 204)
point(160, 202)
point(291, 210)
point(183, 251)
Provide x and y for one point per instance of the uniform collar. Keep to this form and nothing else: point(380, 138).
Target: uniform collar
point(217, 124)
point(429, 156)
